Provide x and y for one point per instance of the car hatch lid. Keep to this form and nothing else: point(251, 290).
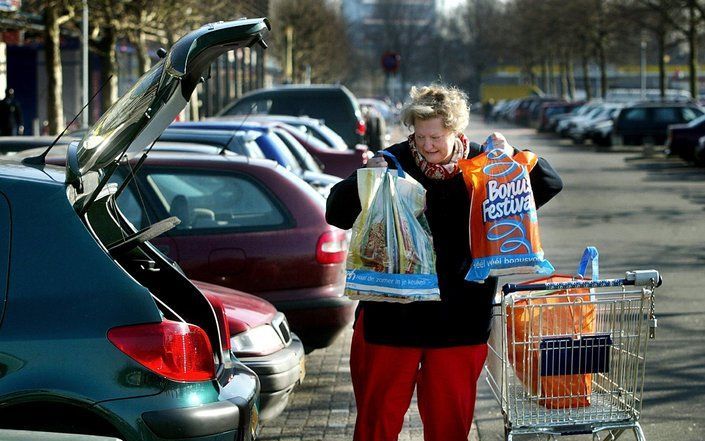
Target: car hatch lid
point(140, 115)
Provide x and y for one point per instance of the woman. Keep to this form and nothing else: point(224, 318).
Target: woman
point(437, 347)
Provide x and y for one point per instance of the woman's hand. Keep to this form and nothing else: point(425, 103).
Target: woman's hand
point(376, 161)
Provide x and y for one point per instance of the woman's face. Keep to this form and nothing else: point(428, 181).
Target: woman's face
point(434, 141)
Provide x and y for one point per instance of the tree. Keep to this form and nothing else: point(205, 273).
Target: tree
point(655, 17)
point(409, 30)
point(319, 45)
point(56, 13)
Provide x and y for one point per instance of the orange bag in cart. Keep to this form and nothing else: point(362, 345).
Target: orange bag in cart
point(554, 334)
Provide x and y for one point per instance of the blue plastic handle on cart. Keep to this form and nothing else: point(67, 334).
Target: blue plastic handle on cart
point(590, 255)
point(400, 171)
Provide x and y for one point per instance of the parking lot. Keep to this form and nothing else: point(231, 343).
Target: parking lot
point(640, 212)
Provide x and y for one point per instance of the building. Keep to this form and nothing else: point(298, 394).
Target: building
point(376, 27)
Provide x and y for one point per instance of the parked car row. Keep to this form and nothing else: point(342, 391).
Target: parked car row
point(676, 123)
point(189, 266)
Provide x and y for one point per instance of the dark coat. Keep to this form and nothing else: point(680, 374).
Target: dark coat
point(462, 317)
point(10, 117)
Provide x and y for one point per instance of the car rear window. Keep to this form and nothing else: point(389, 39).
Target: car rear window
point(253, 106)
point(317, 106)
point(208, 201)
point(666, 115)
point(636, 114)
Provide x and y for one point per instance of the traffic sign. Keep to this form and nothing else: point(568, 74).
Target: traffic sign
point(390, 61)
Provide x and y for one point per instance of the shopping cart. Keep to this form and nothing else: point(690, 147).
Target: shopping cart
point(598, 367)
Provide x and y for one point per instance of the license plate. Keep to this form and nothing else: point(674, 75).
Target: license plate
point(302, 366)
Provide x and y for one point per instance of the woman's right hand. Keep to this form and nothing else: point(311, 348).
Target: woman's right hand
point(376, 161)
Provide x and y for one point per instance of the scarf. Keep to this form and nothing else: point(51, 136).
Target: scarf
point(441, 171)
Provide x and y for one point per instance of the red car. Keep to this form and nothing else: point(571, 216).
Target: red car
point(250, 225)
point(259, 337)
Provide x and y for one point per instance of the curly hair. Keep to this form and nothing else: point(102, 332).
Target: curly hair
point(447, 102)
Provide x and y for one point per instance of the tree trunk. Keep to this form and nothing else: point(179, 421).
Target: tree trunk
point(552, 89)
point(109, 62)
point(564, 77)
point(692, 46)
point(55, 103)
point(544, 75)
point(586, 78)
point(603, 69)
point(661, 42)
point(571, 79)
point(140, 43)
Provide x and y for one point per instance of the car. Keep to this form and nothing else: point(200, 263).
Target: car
point(101, 333)
point(278, 143)
point(647, 123)
point(562, 122)
point(600, 133)
point(580, 127)
point(240, 143)
point(389, 113)
point(683, 138)
point(547, 110)
point(332, 103)
point(340, 163)
point(13, 144)
point(699, 153)
point(249, 225)
point(260, 338)
point(311, 126)
point(276, 354)
point(376, 134)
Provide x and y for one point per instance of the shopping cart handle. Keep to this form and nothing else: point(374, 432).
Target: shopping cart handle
point(645, 277)
point(637, 278)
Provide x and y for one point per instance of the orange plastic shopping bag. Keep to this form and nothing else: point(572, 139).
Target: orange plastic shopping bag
point(542, 333)
point(504, 233)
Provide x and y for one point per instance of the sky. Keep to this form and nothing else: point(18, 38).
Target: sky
point(451, 4)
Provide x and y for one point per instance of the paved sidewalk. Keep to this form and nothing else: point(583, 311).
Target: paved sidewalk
point(323, 407)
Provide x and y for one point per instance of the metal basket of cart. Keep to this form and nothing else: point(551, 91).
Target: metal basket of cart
point(567, 354)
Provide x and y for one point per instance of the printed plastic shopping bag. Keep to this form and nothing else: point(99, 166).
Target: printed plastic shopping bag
point(552, 343)
point(504, 232)
point(391, 255)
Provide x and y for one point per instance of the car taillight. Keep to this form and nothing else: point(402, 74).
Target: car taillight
point(361, 127)
point(331, 248)
point(175, 350)
point(222, 317)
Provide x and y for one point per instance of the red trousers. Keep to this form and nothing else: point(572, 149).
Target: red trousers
point(384, 378)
